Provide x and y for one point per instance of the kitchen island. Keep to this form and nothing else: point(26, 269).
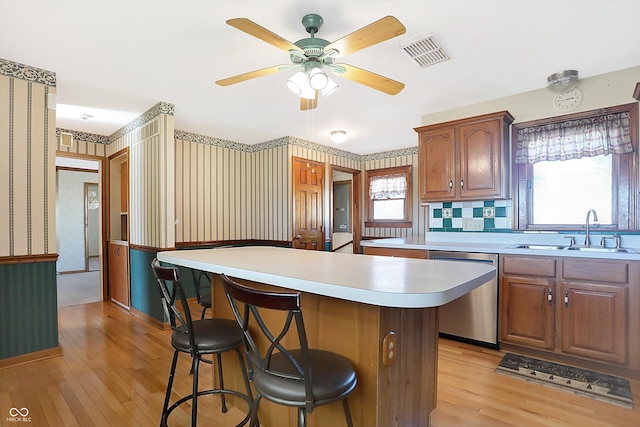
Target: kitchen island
point(380, 312)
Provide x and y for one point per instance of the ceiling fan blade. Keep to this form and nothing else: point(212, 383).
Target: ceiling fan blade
point(309, 104)
point(367, 78)
point(252, 75)
point(376, 32)
point(255, 30)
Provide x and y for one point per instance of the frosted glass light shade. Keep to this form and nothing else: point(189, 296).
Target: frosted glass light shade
point(297, 83)
point(318, 79)
point(330, 87)
point(338, 136)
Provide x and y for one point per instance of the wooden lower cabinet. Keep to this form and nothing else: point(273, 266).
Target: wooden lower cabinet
point(595, 309)
point(118, 260)
point(527, 315)
point(572, 307)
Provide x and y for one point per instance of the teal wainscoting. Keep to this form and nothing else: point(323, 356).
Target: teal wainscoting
point(145, 294)
point(28, 308)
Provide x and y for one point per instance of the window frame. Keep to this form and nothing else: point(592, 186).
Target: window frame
point(406, 222)
point(624, 177)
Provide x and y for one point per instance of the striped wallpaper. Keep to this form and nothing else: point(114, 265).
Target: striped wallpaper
point(242, 192)
point(151, 177)
point(27, 161)
point(84, 143)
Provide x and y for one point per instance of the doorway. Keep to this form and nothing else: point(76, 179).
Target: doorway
point(345, 210)
point(91, 226)
point(78, 237)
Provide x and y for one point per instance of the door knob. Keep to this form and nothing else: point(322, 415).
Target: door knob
point(298, 237)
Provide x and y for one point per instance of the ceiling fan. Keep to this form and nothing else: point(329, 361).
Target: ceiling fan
point(312, 55)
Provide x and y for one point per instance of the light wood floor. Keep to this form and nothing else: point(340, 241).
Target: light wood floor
point(114, 370)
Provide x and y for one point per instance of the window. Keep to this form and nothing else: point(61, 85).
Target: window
point(566, 165)
point(389, 197)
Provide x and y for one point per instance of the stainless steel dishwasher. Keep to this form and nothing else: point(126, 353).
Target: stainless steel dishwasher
point(472, 317)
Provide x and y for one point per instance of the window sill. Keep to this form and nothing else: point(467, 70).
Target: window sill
point(389, 224)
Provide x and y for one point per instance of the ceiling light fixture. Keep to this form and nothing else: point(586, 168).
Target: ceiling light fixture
point(562, 80)
point(338, 136)
point(306, 83)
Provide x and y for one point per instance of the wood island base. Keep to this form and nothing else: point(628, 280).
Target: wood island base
point(398, 390)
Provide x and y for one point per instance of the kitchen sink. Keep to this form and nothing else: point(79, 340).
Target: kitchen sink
point(540, 247)
point(601, 249)
point(575, 248)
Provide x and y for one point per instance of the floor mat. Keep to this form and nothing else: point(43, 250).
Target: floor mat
point(581, 381)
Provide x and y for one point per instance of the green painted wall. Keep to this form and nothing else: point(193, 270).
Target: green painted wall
point(29, 307)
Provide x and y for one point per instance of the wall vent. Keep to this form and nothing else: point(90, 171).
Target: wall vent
point(66, 139)
point(425, 50)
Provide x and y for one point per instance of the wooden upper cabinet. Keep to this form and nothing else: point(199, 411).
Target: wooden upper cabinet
point(465, 159)
point(436, 164)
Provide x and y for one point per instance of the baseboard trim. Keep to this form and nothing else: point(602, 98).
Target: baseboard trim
point(30, 357)
point(150, 319)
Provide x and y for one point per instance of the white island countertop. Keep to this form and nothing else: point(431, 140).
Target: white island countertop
point(376, 280)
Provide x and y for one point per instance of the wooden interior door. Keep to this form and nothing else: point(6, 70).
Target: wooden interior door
point(308, 179)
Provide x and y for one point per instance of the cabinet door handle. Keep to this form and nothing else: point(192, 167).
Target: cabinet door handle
point(566, 299)
point(450, 184)
point(462, 184)
point(550, 296)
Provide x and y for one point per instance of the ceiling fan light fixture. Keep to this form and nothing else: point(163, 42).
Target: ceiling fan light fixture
point(330, 87)
point(338, 136)
point(318, 80)
point(297, 83)
point(308, 92)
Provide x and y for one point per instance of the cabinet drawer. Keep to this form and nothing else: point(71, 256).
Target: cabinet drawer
point(595, 271)
point(529, 266)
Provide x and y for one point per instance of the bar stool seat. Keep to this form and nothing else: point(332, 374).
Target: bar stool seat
point(333, 377)
point(211, 336)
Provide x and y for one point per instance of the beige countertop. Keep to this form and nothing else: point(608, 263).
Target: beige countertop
point(376, 280)
point(475, 243)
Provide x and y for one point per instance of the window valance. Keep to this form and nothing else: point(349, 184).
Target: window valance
point(574, 139)
point(388, 186)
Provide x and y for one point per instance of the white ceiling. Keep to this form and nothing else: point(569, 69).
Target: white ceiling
point(127, 55)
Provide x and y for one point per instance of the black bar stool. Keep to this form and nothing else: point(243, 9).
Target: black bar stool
point(202, 284)
point(197, 338)
point(301, 377)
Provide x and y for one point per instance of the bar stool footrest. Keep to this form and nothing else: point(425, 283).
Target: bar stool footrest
point(163, 421)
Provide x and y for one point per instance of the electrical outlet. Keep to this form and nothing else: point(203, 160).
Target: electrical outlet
point(472, 224)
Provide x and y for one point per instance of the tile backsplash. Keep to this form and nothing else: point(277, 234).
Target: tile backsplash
point(478, 216)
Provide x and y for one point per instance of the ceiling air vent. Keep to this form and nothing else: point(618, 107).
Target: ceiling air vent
point(425, 50)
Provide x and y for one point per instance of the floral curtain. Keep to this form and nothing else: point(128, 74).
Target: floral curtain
point(574, 139)
point(388, 186)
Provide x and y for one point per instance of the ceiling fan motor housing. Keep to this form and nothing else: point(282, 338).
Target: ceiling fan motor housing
point(312, 23)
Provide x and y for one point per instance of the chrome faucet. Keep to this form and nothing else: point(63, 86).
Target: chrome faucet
point(587, 238)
